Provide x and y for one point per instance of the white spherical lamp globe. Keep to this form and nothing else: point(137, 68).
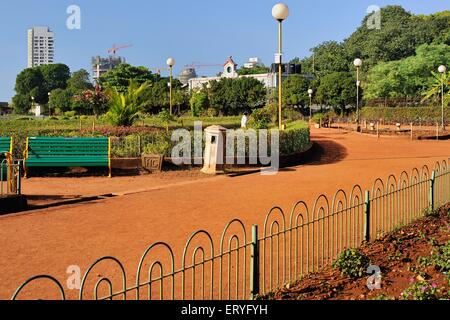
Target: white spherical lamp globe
point(171, 62)
point(310, 91)
point(280, 11)
point(358, 63)
point(442, 69)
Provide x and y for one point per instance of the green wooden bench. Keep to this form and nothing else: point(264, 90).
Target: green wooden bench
point(67, 152)
point(6, 150)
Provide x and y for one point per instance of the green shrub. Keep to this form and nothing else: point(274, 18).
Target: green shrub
point(405, 114)
point(161, 146)
point(319, 118)
point(352, 263)
point(421, 290)
point(295, 139)
point(70, 114)
point(261, 119)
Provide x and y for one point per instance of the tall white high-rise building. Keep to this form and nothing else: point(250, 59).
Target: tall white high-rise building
point(41, 46)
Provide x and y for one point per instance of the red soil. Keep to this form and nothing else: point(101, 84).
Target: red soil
point(169, 207)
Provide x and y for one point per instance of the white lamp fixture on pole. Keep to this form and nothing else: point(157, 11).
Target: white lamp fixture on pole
point(442, 69)
point(171, 63)
point(49, 109)
point(280, 12)
point(358, 64)
point(310, 93)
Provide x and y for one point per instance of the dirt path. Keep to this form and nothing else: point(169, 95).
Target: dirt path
point(48, 241)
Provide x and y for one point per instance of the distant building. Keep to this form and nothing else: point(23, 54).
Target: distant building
point(41, 46)
point(270, 80)
point(253, 63)
point(4, 108)
point(102, 65)
point(186, 75)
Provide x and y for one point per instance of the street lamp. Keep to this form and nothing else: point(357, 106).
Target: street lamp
point(358, 64)
point(171, 63)
point(280, 12)
point(310, 93)
point(442, 69)
point(49, 108)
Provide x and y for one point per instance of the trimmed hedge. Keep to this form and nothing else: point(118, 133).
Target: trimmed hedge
point(429, 115)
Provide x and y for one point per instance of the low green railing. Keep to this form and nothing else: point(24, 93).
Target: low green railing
point(249, 262)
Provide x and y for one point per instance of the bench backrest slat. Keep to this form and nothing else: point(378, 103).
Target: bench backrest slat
point(67, 147)
point(5, 145)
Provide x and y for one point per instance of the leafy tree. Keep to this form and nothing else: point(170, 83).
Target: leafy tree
point(327, 58)
point(124, 108)
point(235, 96)
point(198, 103)
point(21, 103)
point(121, 76)
point(61, 100)
point(337, 89)
point(409, 77)
point(79, 81)
point(295, 90)
point(91, 101)
point(55, 76)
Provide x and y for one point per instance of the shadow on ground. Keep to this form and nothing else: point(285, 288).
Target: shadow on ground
point(325, 152)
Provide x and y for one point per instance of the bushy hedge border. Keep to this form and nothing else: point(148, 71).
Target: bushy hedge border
point(429, 115)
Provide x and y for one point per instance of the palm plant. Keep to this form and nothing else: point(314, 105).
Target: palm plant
point(435, 89)
point(124, 108)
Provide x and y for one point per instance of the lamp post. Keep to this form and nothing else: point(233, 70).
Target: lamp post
point(171, 63)
point(280, 12)
point(442, 69)
point(49, 109)
point(310, 93)
point(358, 64)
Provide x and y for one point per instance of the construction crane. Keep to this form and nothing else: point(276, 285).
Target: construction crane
point(158, 70)
point(116, 48)
point(195, 65)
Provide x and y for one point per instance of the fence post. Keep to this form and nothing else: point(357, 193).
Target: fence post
point(432, 181)
point(254, 264)
point(367, 217)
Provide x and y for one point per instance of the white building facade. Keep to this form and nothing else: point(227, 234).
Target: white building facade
point(270, 80)
point(41, 46)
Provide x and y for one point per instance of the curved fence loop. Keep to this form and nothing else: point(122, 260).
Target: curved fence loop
point(229, 253)
point(172, 268)
point(193, 266)
point(40, 277)
point(86, 275)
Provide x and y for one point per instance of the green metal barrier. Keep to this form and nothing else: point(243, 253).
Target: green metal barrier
point(283, 250)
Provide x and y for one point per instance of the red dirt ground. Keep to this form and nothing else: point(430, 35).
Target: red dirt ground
point(397, 255)
point(171, 206)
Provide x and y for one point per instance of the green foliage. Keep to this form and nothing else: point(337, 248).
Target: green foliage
point(329, 57)
point(121, 76)
point(409, 77)
point(198, 103)
point(124, 108)
point(352, 263)
point(255, 70)
point(296, 138)
point(337, 89)
point(79, 81)
point(261, 118)
point(161, 145)
point(421, 290)
point(61, 99)
point(295, 91)
point(404, 114)
point(236, 96)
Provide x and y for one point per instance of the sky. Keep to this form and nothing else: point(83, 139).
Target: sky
point(205, 31)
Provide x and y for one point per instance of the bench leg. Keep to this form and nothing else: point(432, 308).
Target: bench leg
point(110, 171)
